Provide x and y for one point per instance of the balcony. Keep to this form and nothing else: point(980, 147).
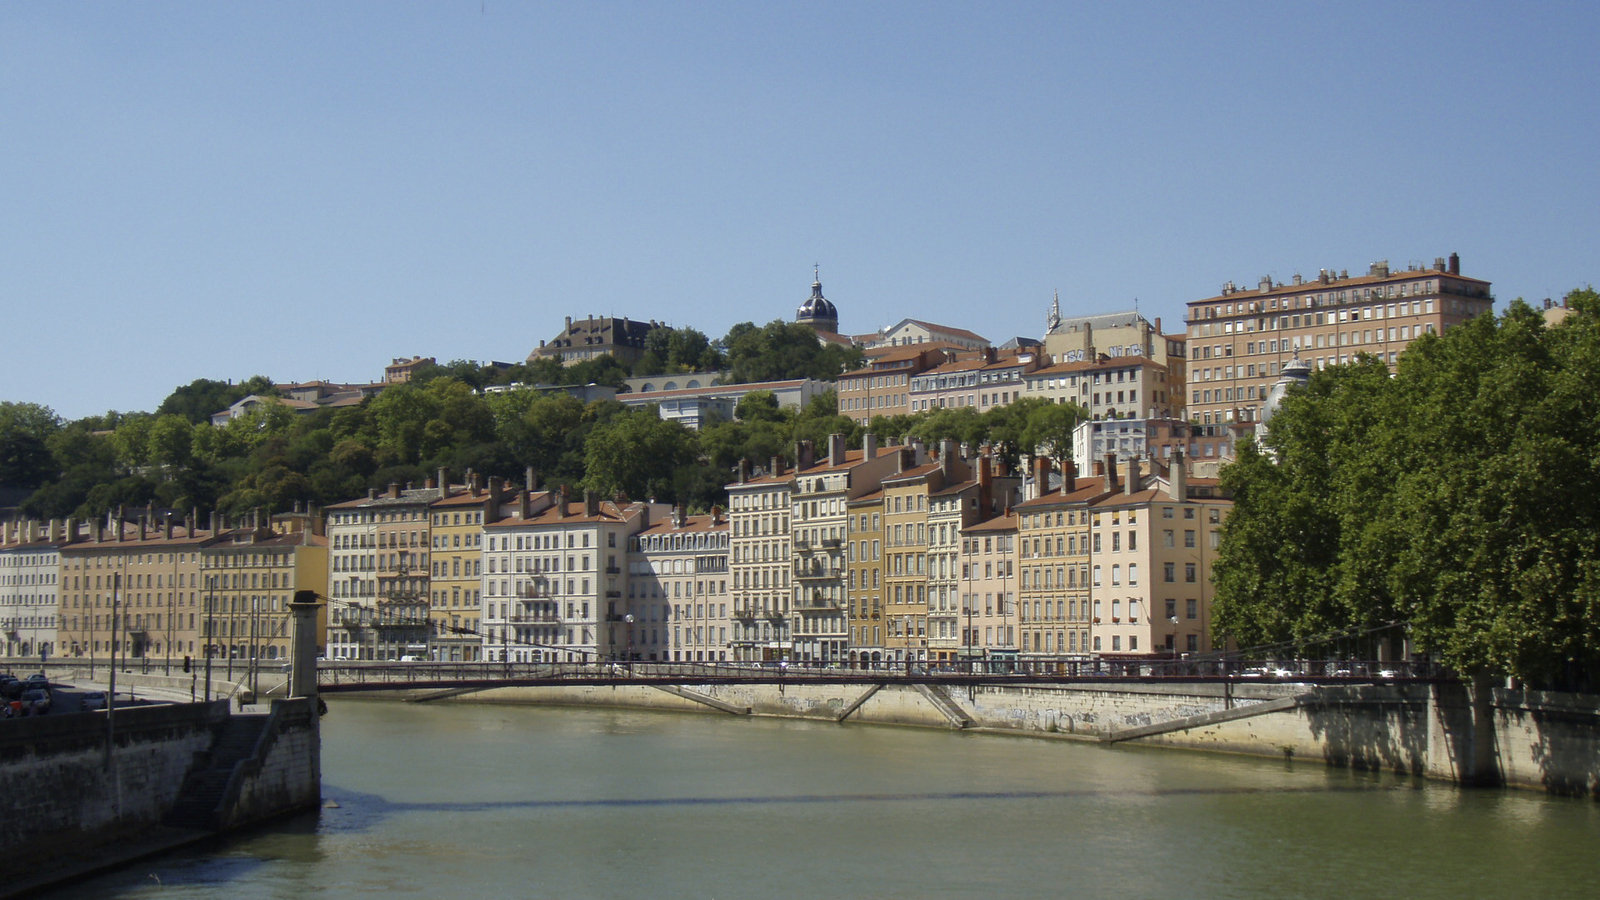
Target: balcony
point(833, 543)
point(814, 573)
point(613, 570)
point(614, 595)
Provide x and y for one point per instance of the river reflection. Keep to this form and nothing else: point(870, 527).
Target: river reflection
point(495, 801)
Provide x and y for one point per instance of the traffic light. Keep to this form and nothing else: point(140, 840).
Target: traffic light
point(186, 664)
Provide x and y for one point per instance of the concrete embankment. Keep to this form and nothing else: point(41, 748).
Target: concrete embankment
point(1449, 732)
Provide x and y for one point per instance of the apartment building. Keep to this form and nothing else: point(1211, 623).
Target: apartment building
point(883, 386)
point(30, 574)
point(249, 575)
point(989, 588)
point(759, 510)
point(1240, 339)
point(1110, 387)
point(1053, 560)
point(910, 332)
point(679, 601)
point(820, 524)
point(554, 582)
point(379, 572)
point(132, 588)
point(981, 380)
point(968, 494)
point(864, 580)
point(455, 601)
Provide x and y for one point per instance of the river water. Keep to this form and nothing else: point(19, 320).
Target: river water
point(484, 801)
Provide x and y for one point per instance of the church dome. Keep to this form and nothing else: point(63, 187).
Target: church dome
point(816, 306)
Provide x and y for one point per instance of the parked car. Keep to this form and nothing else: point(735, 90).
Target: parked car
point(10, 687)
point(93, 700)
point(37, 680)
point(35, 702)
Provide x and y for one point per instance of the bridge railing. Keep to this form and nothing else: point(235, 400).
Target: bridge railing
point(392, 673)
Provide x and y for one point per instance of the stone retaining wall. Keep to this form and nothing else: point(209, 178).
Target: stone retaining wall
point(1450, 732)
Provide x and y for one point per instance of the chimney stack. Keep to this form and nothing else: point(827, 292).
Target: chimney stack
point(1110, 470)
point(524, 505)
point(947, 460)
point(777, 467)
point(561, 503)
point(1455, 264)
point(744, 470)
point(444, 482)
point(869, 446)
point(835, 449)
point(530, 479)
point(1132, 486)
point(1178, 477)
point(1041, 476)
point(985, 484)
point(591, 503)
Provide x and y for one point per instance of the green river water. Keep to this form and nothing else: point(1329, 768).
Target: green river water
point(480, 801)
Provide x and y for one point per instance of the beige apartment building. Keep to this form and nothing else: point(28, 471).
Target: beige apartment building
point(131, 588)
point(455, 607)
point(1155, 543)
point(1053, 560)
point(249, 575)
point(883, 386)
point(864, 582)
point(678, 595)
point(821, 536)
point(988, 588)
point(1240, 339)
point(759, 510)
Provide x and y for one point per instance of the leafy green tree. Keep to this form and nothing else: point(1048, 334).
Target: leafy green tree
point(1455, 497)
point(784, 350)
point(637, 453)
point(198, 400)
point(25, 433)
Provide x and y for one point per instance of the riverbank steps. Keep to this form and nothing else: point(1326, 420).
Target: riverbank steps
point(1461, 733)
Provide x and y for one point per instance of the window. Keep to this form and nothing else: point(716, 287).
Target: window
point(1189, 573)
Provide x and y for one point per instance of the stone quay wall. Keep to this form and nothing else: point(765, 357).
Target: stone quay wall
point(62, 792)
point(1467, 734)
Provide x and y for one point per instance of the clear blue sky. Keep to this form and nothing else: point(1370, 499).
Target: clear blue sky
point(308, 190)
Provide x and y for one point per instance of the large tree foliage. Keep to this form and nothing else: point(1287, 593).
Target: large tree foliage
point(1456, 496)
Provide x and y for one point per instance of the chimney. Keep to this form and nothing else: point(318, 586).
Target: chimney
point(70, 529)
point(1455, 264)
point(1158, 325)
point(427, 484)
point(869, 446)
point(744, 470)
point(1132, 486)
point(1041, 476)
point(836, 449)
point(372, 493)
point(561, 503)
point(444, 482)
point(1110, 470)
point(167, 531)
point(680, 514)
point(394, 490)
point(985, 484)
point(591, 503)
point(716, 515)
point(524, 505)
point(1178, 477)
point(777, 467)
point(919, 452)
point(530, 479)
point(947, 460)
point(804, 455)
point(1069, 476)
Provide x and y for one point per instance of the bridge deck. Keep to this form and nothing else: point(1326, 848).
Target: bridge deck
point(359, 677)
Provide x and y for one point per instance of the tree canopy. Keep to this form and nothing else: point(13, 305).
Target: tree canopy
point(1456, 496)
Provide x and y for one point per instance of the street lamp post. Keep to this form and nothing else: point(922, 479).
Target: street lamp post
point(629, 620)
